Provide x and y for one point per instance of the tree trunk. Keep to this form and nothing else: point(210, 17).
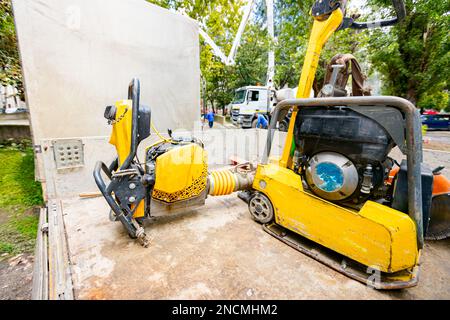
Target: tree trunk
point(316, 88)
point(412, 96)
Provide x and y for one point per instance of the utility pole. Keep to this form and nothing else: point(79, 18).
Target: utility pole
point(229, 60)
point(271, 32)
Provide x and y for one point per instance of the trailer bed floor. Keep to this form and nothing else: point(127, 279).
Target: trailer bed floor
point(215, 252)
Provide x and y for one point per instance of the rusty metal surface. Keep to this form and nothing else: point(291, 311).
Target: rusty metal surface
point(216, 252)
point(350, 67)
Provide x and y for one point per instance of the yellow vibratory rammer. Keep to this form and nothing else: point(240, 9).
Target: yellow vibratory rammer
point(329, 195)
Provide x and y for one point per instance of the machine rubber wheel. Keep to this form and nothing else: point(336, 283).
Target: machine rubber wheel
point(261, 208)
point(254, 122)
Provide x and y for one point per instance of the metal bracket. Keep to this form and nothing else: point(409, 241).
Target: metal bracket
point(323, 8)
point(44, 228)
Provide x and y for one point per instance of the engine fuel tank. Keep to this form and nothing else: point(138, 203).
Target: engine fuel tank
point(341, 130)
point(181, 173)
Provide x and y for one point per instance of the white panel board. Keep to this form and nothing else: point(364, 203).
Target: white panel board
point(78, 56)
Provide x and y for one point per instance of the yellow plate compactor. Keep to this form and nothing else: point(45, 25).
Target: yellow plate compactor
point(327, 194)
point(173, 177)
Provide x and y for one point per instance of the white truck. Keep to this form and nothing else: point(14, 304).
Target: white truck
point(248, 102)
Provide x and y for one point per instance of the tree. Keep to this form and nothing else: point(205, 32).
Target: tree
point(292, 23)
point(293, 27)
point(220, 19)
point(252, 57)
point(10, 71)
point(414, 56)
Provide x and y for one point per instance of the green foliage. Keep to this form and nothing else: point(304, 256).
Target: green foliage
point(294, 23)
point(414, 56)
point(251, 59)
point(17, 184)
point(6, 247)
point(437, 101)
point(10, 70)
point(19, 194)
point(26, 226)
point(220, 19)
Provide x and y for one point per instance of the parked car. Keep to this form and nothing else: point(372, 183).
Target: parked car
point(436, 121)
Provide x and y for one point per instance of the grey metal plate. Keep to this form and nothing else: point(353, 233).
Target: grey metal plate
point(68, 153)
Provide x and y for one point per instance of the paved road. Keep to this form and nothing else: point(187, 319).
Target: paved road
point(439, 136)
point(436, 150)
point(438, 158)
point(216, 126)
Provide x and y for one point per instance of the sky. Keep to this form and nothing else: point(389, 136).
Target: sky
point(360, 4)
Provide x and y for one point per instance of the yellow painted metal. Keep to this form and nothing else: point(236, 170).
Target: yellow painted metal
point(121, 132)
point(140, 211)
point(121, 139)
point(222, 182)
point(376, 236)
point(321, 32)
point(181, 173)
